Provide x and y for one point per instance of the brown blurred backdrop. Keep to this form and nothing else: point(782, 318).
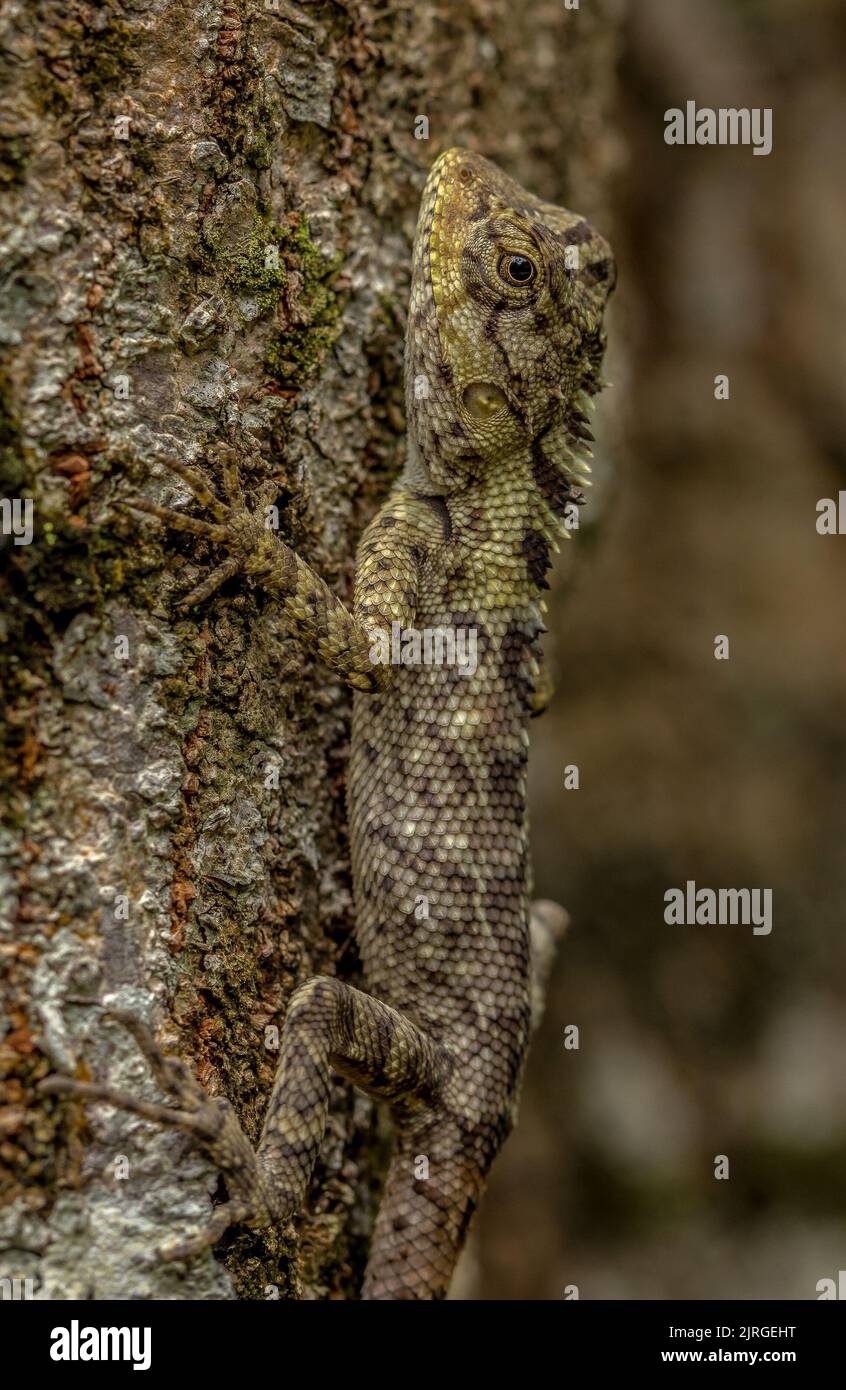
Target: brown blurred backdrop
point(700, 1040)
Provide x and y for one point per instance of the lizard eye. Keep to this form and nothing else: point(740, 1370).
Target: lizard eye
point(517, 270)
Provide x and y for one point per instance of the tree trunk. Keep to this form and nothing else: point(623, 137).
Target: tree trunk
point(211, 213)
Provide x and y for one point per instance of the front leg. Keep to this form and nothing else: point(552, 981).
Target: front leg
point(386, 581)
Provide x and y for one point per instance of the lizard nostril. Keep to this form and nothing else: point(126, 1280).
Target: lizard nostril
point(465, 174)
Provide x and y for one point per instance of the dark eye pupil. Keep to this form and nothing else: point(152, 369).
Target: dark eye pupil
point(520, 269)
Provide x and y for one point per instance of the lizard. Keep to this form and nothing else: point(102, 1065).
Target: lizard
point(504, 345)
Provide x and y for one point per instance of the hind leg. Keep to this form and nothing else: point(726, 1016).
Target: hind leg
point(328, 1025)
point(547, 924)
point(332, 1025)
point(439, 1165)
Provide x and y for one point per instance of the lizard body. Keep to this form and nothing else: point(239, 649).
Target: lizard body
point(503, 353)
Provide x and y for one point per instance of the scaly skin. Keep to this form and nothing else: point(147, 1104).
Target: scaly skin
point(503, 354)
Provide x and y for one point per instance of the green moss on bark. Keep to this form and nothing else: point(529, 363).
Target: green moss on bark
point(295, 354)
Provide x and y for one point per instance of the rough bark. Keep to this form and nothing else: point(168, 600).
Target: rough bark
point(209, 217)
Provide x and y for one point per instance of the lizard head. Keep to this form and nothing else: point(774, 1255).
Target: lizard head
point(505, 336)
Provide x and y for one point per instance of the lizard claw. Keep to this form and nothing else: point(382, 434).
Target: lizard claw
point(235, 525)
point(121, 1100)
point(177, 520)
point(173, 1075)
point(210, 584)
point(227, 460)
point(229, 1214)
point(200, 486)
point(210, 1120)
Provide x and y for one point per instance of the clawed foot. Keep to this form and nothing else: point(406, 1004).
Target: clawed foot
point(212, 1122)
point(235, 526)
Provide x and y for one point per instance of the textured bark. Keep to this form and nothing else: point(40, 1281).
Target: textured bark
point(210, 212)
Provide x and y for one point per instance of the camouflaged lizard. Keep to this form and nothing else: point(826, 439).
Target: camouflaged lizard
point(503, 356)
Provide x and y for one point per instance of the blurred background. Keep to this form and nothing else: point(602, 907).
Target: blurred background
point(696, 1041)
